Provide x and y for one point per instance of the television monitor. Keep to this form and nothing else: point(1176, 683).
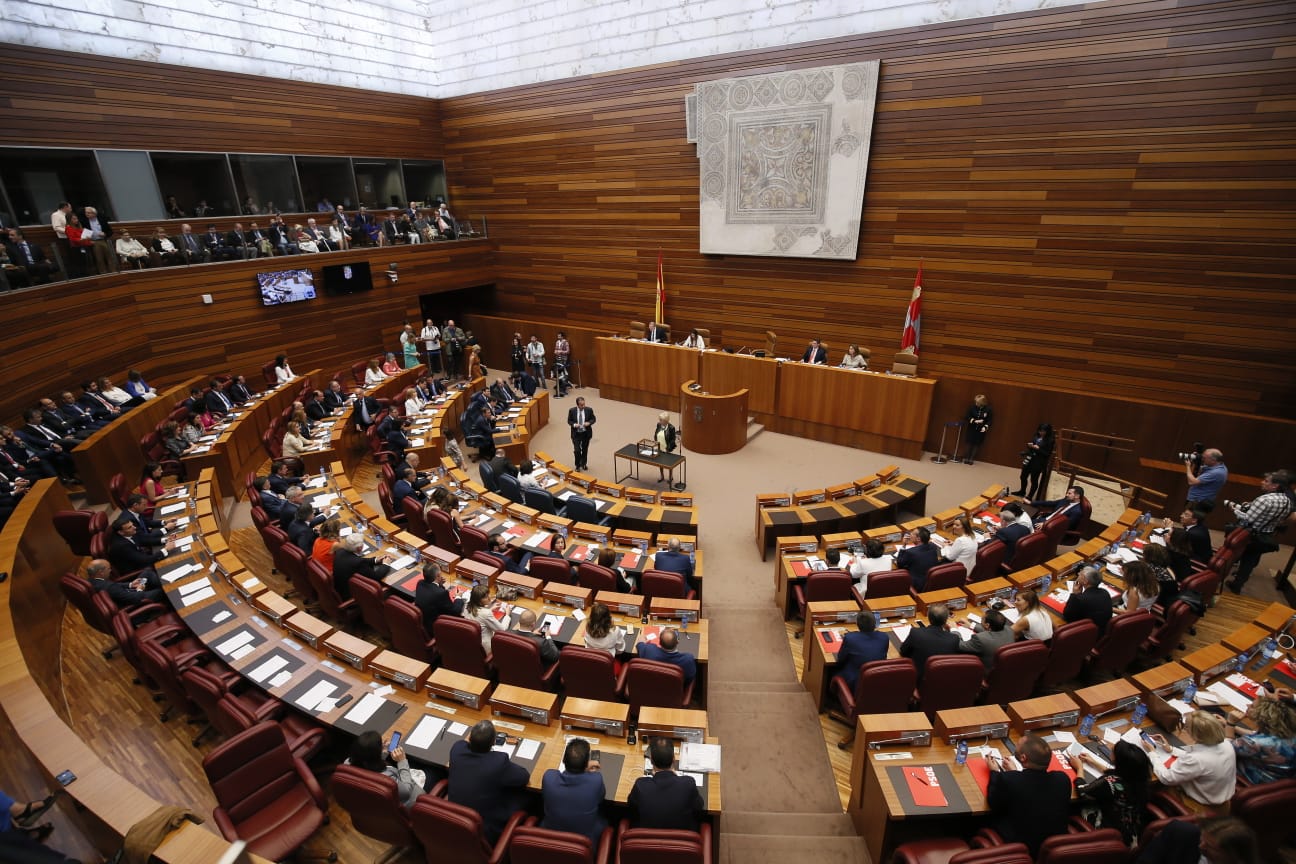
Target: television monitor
point(347, 278)
point(286, 286)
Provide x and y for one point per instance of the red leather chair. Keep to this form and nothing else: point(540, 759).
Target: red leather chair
point(1266, 808)
point(473, 540)
point(163, 667)
point(989, 559)
point(945, 576)
point(1053, 528)
point(408, 635)
point(295, 564)
point(664, 583)
point(949, 681)
point(951, 850)
point(533, 845)
point(358, 371)
point(1014, 672)
point(588, 674)
point(548, 569)
point(660, 685)
point(459, 644)
point(888, 583)
point(1030, 551)
point(305, 737)
point(883, 687)
point(1120, 644)
point(368, 596)
point(517, 662)
point(452, 834)
point(1170, 635)
point(825, 585)
point(1204, 582)
point(443, 530)
point(415, 521)
point(1104, 846)
point(117, 490)
point(373, 802)
point(264, 795)
point(596, 577)
point(388, 508)
point(1070, 538)
point(206, 689)
point(95, 606)
point(1070, 646)
point(76, 527)
point(130, 631)
point(1236, 540)
point(388, 471)
point(331, 603)
point(657, 846)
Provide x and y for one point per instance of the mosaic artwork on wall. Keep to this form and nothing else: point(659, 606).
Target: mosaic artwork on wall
point(783, 159)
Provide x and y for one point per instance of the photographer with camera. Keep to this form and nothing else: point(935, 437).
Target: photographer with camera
point(1263, 516)
point(1207, 475)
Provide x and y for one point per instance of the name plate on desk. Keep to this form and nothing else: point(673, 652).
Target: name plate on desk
point(626, 604)
point(954, 598)
point(607, 717)
point(539, 716)
point(892, 607)
point(525, 585)
point(614, 728)
point(982, 592)
point(1044, 712)
point(400, 670)
point(352, 651)
point(465, 689)
point(983, 721)
point(682, 724)
point(566, 595)
point(681, 610)
point(307, 628)
point(1206, 663)
point(1113, 696)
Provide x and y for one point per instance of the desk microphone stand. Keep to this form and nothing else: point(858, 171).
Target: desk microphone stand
point(940, 458)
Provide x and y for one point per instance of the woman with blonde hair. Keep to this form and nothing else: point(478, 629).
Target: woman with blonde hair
point(374, 375)
point(1032, 621)
point(964, 547)
point(1141, 588)
point(474, 363)
point(479, 609)
point(1268, 753)
point(1203, 773)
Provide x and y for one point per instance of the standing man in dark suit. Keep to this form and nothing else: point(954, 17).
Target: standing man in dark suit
point(348, 562)
point(666, 800)
point(581, 420)
point(1090, 600)
point(918, 558)
point(486, 780)
point(573, 796)
point(815, 354)
point(432, 598)
point(1032, 804)
point(926, 642)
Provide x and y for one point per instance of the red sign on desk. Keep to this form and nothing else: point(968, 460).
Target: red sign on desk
point(925, 788)
point(831, 641)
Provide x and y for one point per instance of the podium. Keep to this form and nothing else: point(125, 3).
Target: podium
point(713, 424)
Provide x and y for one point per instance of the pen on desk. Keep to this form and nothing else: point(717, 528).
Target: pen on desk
point(401, 709)
point(920, 779)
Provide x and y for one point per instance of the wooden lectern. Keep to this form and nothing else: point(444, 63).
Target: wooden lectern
point(713, 424)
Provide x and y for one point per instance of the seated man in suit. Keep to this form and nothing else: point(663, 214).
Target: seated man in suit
point(95, 402)
point(421, 478)
point(238, 391)
point(349, 563)
point(667, 651)
point(486, 780)
point(432, 598)
point(920, 557)
point(22, 460)
point(815, 353)
point(48, 444)
point(526, 626)
point(192, 247)
point(405, 487)
point(573, 797)
point(397, 439)
point(657, 333)
point(366, 410)
point(497, 548)
point(55, 420)
point(1089, 600)
point(985, 641)
point(125, 554)
point(1011, 529)
point(1199, 537)
point(148, 532)
point(1032, 804)
point(12, 489)
point(281, 477)
point(28, 256)
point(216, 402)
point(314, 405)
point(241, 242)
point(665, 800)
point(1071, 506)
point(672, 560)
point(214, 246)
point(334, 397)
point(77, 415)
point(145, 588)
point(270, 502)
point(294, 499)
point(926, 642)
point(863, 646)
point(299, 530)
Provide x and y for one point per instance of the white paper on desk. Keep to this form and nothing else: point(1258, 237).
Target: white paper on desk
point(1110, 737)
point(385, 690)
point(281, 679)
point(974, 618)
point(1181, 706)
point(242, 652)
point(1157, 539)
point(555, 622)
point(1011, 613)
point(416, 442)
point(457, 729)
point(902, 632)
point(538, 539)
point(326, 704)
point(364, 709)
point(1116, 570)
point(251, 583)
point(174, 508)
point(222, 616)
point(1127, 554)
point(179, 540)
point(180, 572)
point(423, 734)
point(1063, 737)
point(310, 700)
point(346, 531)
point(964, 633)
point(268, 668)
point(578, 614)
point(195, 585)
point(316, 483)
point(201, 448)
point(527, 749)
point(506, 749)
point(1062, 595)
point(1132, 736)
point(324, 498)
point(700, 757)
point(699, 779)
point(182, 522)
point(235, 642)
point(402, 562)
point(1229, 695)
point(199, 596)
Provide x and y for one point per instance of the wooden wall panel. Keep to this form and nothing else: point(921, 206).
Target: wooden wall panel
point(1101, 198)
point(63, 99)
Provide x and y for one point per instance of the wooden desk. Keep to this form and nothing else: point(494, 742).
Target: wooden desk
point(725, 373)
point(644, 373)
point(713, 423)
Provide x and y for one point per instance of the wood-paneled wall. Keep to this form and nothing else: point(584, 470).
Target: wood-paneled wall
point(64, 99)
point(1101, 198)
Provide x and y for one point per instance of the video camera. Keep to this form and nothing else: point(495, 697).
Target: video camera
point(1194, 456)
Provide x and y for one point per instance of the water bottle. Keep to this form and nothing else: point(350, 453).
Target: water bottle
point(1140, 713)
point(1145, 518)
point(1045, 583)
point(1270, 648)
point(1086, 725)
point(1190, 692)
point(418, 557)
point(960, 752)
point(692, 558)
point(1240, 663)
point(323, 472)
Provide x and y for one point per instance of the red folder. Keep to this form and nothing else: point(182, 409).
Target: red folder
point(651, 633)
point(410, 582)
point(1056, 765)
point(801, 568)
point(925, 787)
point(1053, 603)
point(979, 768)
point(579, 553)
point(517, 531)
point(456, 591)
point(830, 647)
point(630, 559)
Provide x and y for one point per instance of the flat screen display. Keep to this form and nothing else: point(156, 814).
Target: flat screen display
point(347, 278)
point(286, 286)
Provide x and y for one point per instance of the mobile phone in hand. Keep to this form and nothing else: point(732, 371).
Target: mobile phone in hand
point(394, 743)
point(596, 755)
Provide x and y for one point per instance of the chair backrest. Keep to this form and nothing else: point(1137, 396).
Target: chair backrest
point(1053, 529)
point(944, 576)
point(638, 329)
point(1236, 539)
point(658, 846)
point(408, 635)
point(1119, 645)
point(203, 687)
point(95, 607)
point(552, 570)
point(385, 500)
point(582, 509)
point(415, 520)
point(373, 802)
point(905, 363)
point(510, 488)
point(1204, 582)
point(885, 686)
point(595, 577)
point(1265, 808)
point(74, 526)
point(321, 583)
point(649, 682)
point(829, 585)
point(449, 833)
point(157, 665)
point(368, 595)
point(1166, 638)
point(488, 478)
point(117, 489)
point(1016, 668)
point(293, 562)
point(1067, 652)
point(459, 644)
point(950, 681)
point(663, 583)
point(251, 771)
point(888, 583)
point(539, 499)
point(531, 845)
point(990, 556)
point(260, 519)
point(1030, 551)
point(517, 661)
point(442, 529)
point(473, 540)
point(587, 673)
point(1104, 846)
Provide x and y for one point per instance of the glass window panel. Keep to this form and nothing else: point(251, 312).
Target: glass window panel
point(379, 183)
point(128, 174)
point(265, 183)
point(196, 180)
point(39, 180)
point(424, 180)
point(326, 180)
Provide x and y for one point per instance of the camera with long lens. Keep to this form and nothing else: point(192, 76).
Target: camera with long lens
point(1230, 504)
point(1194, 456)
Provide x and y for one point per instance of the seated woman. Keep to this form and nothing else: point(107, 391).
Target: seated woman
point(283, 372)
point(1181, 553)
point(175, 443)
point(1033, 622)
point(1203, 773)
point(369, 751)
point(305, 242)
point(1158, 558)
point(295, 442)
point(853, 359)
point(599, 632)
point(137, 387)
point(625, 582)
point(1268, 753)
point(374, 374)
point(327, 536)
point(1141, 588)
point(389, 365)
point(1119, 794)
point(445, 501)
point(151, 487)
point(480, 609)
point(874, 560)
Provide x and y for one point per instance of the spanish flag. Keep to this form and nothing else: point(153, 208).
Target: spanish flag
point(913, 317)
point(660, 313)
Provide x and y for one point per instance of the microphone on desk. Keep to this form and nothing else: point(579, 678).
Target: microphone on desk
point(920, 738)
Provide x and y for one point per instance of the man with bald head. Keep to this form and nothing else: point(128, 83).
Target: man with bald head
point(666, 650)
point(145, 588)
point(540, 635)
point(1205, 484)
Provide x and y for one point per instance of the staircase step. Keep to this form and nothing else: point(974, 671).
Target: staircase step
point(759, 824)
point(764, 849)
point(754, 687)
